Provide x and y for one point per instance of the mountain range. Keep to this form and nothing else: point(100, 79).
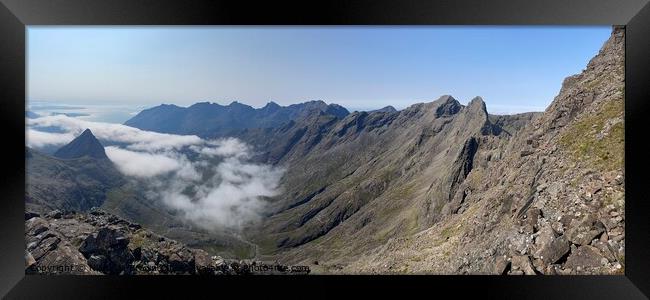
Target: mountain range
point(211, 120)
point(438, 187)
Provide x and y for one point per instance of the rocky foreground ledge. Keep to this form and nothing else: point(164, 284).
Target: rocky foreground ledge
point(99, 243)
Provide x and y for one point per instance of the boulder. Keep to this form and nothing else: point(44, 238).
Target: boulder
point(585, 257)
point(558, 227)
point(179, 259)
point(566, 220)
point(530, 220)
point(540, 266)
point(203, 263)
point(501, 265)
point(549, 247)
point(98, 262)
point(522, 262)
point(36, 226)
point(557, 249)
point(45, 245)
point(109, 252)
point(583, 231)
point(120, 261)
point(104, 240)
point(606, 250)
point(544, 238)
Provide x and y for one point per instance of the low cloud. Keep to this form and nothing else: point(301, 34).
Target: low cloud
point(231, 198)
point(217, 188)
point(224, 147)
point(40, 139)
point(141, 164)
point(135, 138)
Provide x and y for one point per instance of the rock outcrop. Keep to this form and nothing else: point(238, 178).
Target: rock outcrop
point(99, 243)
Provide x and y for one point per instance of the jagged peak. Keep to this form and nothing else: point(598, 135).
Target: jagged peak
point(477, 103)
point(447, 106)
point(87, 133)
point(478, 100)
point(272, 104)
point(446, 98)
point(86, 144)
point(476, 109)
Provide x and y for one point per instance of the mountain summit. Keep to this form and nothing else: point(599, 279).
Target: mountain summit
point(85, 144)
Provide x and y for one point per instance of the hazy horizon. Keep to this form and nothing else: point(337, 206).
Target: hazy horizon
point(513, 68)
point(120, 113)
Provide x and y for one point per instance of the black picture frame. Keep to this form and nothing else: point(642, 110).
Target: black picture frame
point(16, 14)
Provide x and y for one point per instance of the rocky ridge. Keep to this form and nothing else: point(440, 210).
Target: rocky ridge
point(555, 205)
point(97, 243)
point(212, 120)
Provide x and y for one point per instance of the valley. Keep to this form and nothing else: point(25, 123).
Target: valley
point(435, 188)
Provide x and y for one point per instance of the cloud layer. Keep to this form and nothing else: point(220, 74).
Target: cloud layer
point(136, 139)
point(211, 183)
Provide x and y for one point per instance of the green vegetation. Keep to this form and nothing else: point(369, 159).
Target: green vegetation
point(581, 140)
point(116, 196)
point(138, 240)
point(475, 178)
point(404, 191)
point(616, 198)
point(448, 232)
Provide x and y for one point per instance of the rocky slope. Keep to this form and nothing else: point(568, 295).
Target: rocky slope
point(99, 243)
point(372, 176)
point(554, 205)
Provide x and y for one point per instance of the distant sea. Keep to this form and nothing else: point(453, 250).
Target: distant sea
point(108, 113)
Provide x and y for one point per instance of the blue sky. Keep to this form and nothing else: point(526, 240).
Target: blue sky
point(514, 68)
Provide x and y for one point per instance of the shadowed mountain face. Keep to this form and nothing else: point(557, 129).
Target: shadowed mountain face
point(85, 144)
point(371, 176)
point(438, 187)
point(77, 178)
point(212, 120)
